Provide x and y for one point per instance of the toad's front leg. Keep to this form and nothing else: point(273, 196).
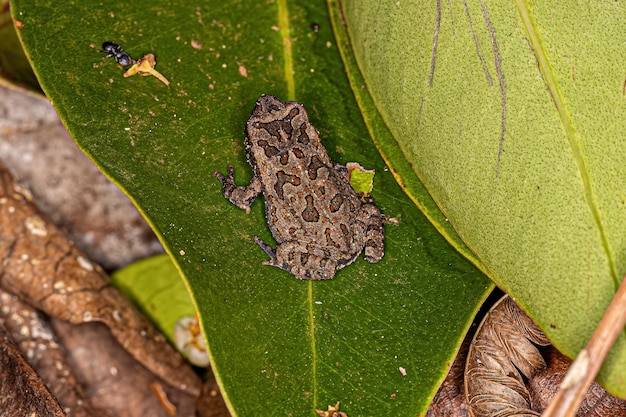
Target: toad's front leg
point(241, 196)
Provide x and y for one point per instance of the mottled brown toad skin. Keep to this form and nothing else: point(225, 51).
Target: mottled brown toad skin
point(318, 221)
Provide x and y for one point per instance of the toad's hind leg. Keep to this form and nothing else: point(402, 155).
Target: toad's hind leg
point(241, 196)
point(374, 233)
point(303, 265)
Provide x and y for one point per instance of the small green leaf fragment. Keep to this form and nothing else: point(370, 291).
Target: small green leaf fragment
point(361, 179)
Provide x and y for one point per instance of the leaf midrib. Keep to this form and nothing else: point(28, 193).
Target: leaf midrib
point(284, 30)
point(283, 24)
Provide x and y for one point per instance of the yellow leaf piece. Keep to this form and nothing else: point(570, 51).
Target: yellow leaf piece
point(333, 411)
point(145, 67)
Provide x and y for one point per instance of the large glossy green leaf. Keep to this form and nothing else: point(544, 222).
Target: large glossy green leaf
point(14, 67)
point(378, 337)
point(512, 114)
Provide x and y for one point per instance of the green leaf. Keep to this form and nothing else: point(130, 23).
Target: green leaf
point(154, 285)
point(278, 345)
point(361, 179)
point(14, 66)
point(512, 116)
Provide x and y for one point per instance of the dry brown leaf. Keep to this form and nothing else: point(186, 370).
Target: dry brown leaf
point(596, 403)
point(22, 392)
point(34, 338)
point(502, 348)
point(47, 271)
point(112, 379)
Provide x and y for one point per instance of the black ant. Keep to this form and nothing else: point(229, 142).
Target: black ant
point(113, 50)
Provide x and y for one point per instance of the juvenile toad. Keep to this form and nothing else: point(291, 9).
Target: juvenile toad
point(318, 220)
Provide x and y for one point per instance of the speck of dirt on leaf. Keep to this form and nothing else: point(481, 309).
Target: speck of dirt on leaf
point(117, 315)
point(195, 44)
point(36, 226)
point(243, 71)
point(84, 263)
point(23, 192)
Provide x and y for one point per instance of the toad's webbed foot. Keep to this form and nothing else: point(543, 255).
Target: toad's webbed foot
point(241, 196)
